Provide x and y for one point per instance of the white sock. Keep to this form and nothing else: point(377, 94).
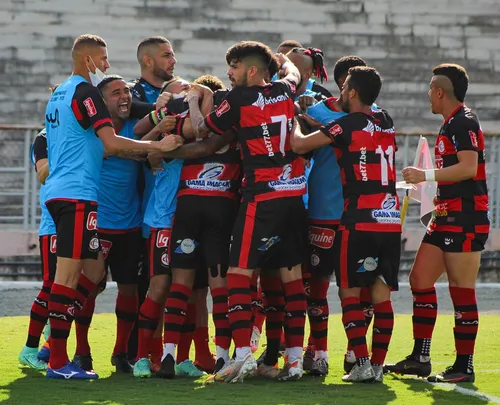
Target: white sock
point(294, 353)
point(321, 354)
point(221, 353)
point(168, 348)
point(241, 352)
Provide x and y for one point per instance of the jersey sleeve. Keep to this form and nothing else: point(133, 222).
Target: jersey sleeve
point(226, 115)
point(464, 134)
point(318, 88)
point(40, 147)
point(339, 131)
point(89, 108)
point(290, 84)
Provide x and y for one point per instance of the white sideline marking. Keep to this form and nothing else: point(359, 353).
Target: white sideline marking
point(444, 285)
point(465, 391)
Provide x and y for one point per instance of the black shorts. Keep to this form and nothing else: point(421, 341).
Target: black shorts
point(320, 254)
point(158, 252)
point(362, 256)
point(269, 234)
point(456, 242)
point(122, 252)
point(201, 231)
point(48, 256)
point(76, 227)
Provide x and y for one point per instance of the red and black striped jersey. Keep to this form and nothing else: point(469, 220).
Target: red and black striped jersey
point(462, 206)
point(365, 146)
point(263, 117)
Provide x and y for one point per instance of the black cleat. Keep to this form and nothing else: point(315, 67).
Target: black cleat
point(452, 375)
point(121, 363)
point(84, 361)
point(348, 366)
point(167, 368)
point(410, 366)
point(219, 364)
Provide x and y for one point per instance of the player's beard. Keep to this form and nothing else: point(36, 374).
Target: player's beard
point(344, 104)
point(162, 74)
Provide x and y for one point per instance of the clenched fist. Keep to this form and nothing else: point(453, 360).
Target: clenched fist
point(413, 175)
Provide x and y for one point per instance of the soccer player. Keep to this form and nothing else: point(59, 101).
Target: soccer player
point(272, 188)
point(457, 233)
point(364, 142)
point(79, 128)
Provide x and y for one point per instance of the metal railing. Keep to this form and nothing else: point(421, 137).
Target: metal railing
point(19, 207)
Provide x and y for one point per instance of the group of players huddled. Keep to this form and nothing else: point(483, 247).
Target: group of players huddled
point(259, 193)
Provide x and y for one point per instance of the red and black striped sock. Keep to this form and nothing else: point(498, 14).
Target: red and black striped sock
point(260, 314)
point(187, 333)
point(466, 326)
point(61, 314)
point(126, 314)
point(221, 320)
point(425, 308)
point(274, 303)
point(355, 328)
point(365, 296)
point(39, 315)
point(201, 341)
point(318, 310)
point(295, 313)
point(84, 311)
point(239, 308)
point(149, 317)
point(175, 312)
point(382, 331)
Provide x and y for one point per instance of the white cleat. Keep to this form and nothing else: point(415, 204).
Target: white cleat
point(362, 373)
point(255, 339)
point(379, 373)
point(292, 371)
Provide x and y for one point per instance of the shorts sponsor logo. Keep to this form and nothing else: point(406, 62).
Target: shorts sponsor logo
point(186, 246)
point(106, 247)
point(321, 237)
point(94, 244)
point(162, 239)
point(164, 259)
point(388, 213)
point(473, 138)
point(335, 130)
point(53, 244)
point(222, 109)
point(441, 210)
point(268, 243)
point(315, 260)
point(448, 241)
point(90, 107)
point(92, 221)
point(368, 264)
point(441, 146)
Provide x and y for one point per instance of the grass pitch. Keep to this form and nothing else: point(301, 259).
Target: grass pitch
point(20, 386)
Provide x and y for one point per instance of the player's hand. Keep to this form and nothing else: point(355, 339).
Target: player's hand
point(307, 162)
point(155, 159)
point(167, 124)
point(282, 59)
point(203, 89)
point(170, 142)
point(163, 99)
point(413, 175)
point(313, 123)
point(305, 102)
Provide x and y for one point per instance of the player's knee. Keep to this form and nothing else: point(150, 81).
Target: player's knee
point(420, 280)
point(127, 290)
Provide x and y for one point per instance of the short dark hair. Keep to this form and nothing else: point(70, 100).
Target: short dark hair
point(343, 65)
point(254, 49)
point(458, 77)
point(366, 81)
point(212, 82)
point(87, 40)
point(290, 43)
point(155, 40)
point(108, 79)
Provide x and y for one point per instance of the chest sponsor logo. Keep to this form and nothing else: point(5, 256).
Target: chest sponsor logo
point(387, 213)
point(287, 183)
point(106, 247)
point(262, 101)
point(53, 244)
point(321, 237)
point(92, 221)
point(90, 107)
point(211, 171)
point(53, 119)
point(222, 109)
point(208, 179)
point(162, 239)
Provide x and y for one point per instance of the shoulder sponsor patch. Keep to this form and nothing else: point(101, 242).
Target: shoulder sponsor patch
point(473, 138)
point(90, 107)
point(335, 130)
point(223, 108)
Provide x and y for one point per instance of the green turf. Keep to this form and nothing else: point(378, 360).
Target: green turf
point(25, 387)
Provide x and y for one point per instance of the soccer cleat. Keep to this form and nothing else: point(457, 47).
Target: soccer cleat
point(84, 361)
point(269, 372)
point(319, 368)
point(452, 375)
point(236, 370)
point(188, 369)
point(291, 371)
point(142, 368)
point(71, 371)
point(219, 364)
point(29, 357)
point(46, 331)
point(167, 369)
point(120, 361)
point(362, 373)
point(309, 358)
point(44, 353)
point(411, 365)
point(255, 339)
point(206, 363)
point(379, 373)
point(349, 361)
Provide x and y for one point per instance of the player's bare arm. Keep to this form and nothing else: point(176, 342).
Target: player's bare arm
point(305, 143)
point(42, 170)
point(156, 117)
point(197, 115)
point(288, 70)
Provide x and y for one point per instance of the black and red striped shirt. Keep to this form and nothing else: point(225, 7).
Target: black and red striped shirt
point(263, 117)
point(365, 146)
point(462, 206)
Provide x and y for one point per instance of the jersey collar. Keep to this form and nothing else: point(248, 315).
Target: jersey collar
point(453, 113)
